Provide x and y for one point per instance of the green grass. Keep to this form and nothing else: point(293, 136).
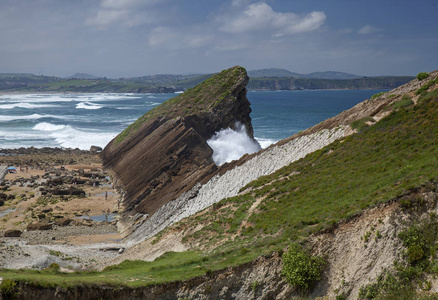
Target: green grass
point(404, 102)
point(212, 94)
point(384, 161)
point(360, 124)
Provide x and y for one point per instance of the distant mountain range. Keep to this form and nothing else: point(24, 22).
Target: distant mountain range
point(271, 72)
point(276, 72)
point(272, 79)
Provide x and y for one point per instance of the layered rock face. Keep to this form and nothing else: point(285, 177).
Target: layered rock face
point(165, 153)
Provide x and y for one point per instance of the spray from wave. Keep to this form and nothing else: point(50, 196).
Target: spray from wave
point(229, 144)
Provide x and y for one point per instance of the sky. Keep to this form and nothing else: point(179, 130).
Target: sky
point(128, 38)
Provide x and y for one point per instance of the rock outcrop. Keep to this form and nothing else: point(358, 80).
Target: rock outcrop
point(164, 153)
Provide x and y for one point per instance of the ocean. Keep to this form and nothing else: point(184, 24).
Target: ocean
point(83, 120)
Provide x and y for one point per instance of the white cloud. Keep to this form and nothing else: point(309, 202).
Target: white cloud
point(260, 16)
point(240, 3)
point(367, 29)
point(123, 12)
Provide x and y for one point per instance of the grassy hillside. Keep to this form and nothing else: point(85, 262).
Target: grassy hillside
point(380, 163)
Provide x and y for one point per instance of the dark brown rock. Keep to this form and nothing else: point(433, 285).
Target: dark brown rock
point(95, 149)
point(63, 222)
point(165, 153)
point(39, 226)
point(12, 233)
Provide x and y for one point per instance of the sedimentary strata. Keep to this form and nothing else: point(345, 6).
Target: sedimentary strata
point(165, 153)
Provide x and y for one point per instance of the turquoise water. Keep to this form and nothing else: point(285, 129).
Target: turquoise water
point(83, 120)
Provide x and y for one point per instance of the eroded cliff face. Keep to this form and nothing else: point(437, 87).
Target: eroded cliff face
point(165, 153)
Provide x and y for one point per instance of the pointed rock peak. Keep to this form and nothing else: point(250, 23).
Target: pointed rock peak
point(165, 152)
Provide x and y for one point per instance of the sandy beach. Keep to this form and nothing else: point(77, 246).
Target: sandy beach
point(57, 206)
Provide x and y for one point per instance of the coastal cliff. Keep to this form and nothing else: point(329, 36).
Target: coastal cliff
point(357, 192)
point(165, 152)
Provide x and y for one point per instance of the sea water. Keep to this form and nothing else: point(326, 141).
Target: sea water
point(83, 120)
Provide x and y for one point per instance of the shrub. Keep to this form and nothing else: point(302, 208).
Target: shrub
point(8, 289)
point(53, 267)
point(360, 124)
point(404, 102)
point(422, 75)
point(300, 268)
point(377, 95)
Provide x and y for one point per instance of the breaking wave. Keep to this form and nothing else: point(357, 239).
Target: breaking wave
point(88, 105)
point(229, 144)
point(44, 126)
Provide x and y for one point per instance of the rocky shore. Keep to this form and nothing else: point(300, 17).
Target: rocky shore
point(56, 206)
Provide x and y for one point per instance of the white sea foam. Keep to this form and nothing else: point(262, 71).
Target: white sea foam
point(152, 103)
point(229, 144)
point(44, 126)
point(28, 117)
point(25, 105)
point(70, 137)
point(88, 105)
point(265, 143)
point(107, 97)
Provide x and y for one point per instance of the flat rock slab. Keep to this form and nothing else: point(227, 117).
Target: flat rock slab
point(39, 226)
point(12, 233)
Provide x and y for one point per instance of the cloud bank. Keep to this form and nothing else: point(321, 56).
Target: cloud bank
point(260, 16)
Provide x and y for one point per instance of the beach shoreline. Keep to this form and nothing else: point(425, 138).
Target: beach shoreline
point(57, 205)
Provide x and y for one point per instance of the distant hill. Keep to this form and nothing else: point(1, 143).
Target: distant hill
point(83, 76)
point(272, 72)
point(330, 75)
point(276, 72)
point(265, 79)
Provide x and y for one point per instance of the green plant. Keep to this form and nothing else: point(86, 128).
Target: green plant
point(422, 75)
point(377, 95)
point(53, 267)
point(426, 86)
point(341, 297)
point(360, 124)
point(300, 268)
point(404, 102)
point(255, 285)
point(8, 289)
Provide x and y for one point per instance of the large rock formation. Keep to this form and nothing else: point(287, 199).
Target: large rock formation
point(165, 153)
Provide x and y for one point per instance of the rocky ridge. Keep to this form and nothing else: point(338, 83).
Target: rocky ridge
point(165, 153)
point(229, 183)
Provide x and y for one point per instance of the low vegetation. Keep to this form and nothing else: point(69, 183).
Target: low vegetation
point(383, 162)
point(411, 271)
point(422, 75)
point(213, 93)
point(300, 268)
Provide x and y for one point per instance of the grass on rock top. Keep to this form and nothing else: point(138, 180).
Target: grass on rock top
point(380, 163)
point(211, 94)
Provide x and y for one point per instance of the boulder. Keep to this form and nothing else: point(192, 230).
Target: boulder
point(12, 233)
point(165, 152)
point(95, 149)
point(63, 222)
point(39, 226)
